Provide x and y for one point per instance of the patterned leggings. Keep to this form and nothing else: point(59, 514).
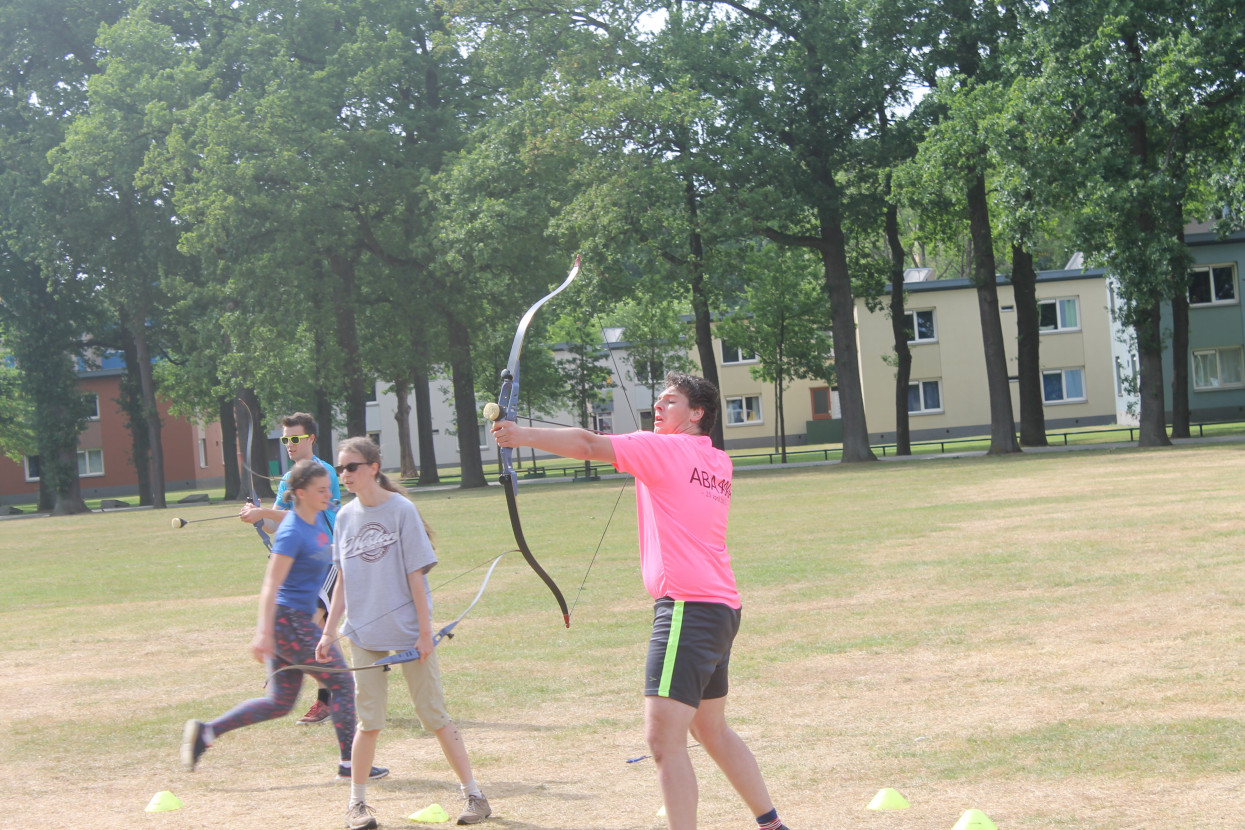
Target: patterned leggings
point(296, 637)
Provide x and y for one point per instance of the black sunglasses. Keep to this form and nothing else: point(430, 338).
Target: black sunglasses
point(351, 467)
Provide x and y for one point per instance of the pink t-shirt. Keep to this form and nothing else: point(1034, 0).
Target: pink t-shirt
point(683, 501)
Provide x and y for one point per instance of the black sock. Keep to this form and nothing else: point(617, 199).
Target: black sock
point(323, 696)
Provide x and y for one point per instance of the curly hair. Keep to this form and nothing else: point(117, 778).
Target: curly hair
point(701, 394)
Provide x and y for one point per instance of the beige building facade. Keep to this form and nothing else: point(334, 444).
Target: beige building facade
point(750, 406)
point(947, 393)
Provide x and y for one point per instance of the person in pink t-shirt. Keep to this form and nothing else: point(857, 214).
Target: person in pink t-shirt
point(683, 501)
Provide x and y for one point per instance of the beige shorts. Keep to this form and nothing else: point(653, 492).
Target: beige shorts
point(423, 681)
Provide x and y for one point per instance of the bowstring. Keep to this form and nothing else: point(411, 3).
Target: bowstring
point(436, 587)
point(618, 373)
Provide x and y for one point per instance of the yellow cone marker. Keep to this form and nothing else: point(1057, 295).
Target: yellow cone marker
point(164, 801)
point(889, 799)
point(432, 814)
point(974, 820)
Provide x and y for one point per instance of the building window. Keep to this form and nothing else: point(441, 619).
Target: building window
point(1219, 368)
point(1212, 285)
point(90, 463)
point(646, 420)
point(821, 403)
point(1059, 315)
point(94, 414)
point(737, 354)
point(1063, 386)
point(483, 431)
point(203, 462)
point(745, 409)
point(920, 326)
point(924, 397)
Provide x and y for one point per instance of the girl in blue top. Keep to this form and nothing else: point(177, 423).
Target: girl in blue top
point(285, 633)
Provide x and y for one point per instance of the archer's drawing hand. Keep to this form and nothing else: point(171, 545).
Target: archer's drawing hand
point(248, 513)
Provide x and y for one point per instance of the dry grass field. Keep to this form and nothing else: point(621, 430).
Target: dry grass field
point(1054, 639)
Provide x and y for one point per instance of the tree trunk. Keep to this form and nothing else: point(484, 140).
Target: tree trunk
point(1028, 360)
point(132, 405)
point(423, 426)
point(833, 250)
point(151, 409)
point(782, 419)
point(47, 497)
point(1153, 426)
point(1002, 422)
point(348, 342)
point(324, 423)
point(69, 499)
point(229, 447)
point(700, 308)
point(1180, 342)
point(899, 331)
point(1180, 365)
point(1146, 314)
point(402, 415)
point(466, 414)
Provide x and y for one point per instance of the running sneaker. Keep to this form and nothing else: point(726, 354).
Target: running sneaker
point(193, 745)
point(377, 773)
point(318, 713)
point(476, 811)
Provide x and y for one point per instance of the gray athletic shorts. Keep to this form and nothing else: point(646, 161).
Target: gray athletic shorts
point(690, 650)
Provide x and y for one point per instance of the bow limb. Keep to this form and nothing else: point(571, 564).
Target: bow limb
point(507, 483)
point(396, 658)
point(383, 663)
point(507, 408)
point(448, 630)
point(250, 474)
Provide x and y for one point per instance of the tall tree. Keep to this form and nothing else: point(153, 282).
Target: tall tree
point(41, 329)
point(47, 55)
point(966, 56)
point(802, 90)
point(1108, 95)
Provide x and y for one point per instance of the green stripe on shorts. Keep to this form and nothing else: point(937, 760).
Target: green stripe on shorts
point(672, 648)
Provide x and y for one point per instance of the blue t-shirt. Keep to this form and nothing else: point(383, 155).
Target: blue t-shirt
point(311, 548)
point(283, 503)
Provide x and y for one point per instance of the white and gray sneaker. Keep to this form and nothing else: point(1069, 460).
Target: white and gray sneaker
point(359, 816)
point(476, 811)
